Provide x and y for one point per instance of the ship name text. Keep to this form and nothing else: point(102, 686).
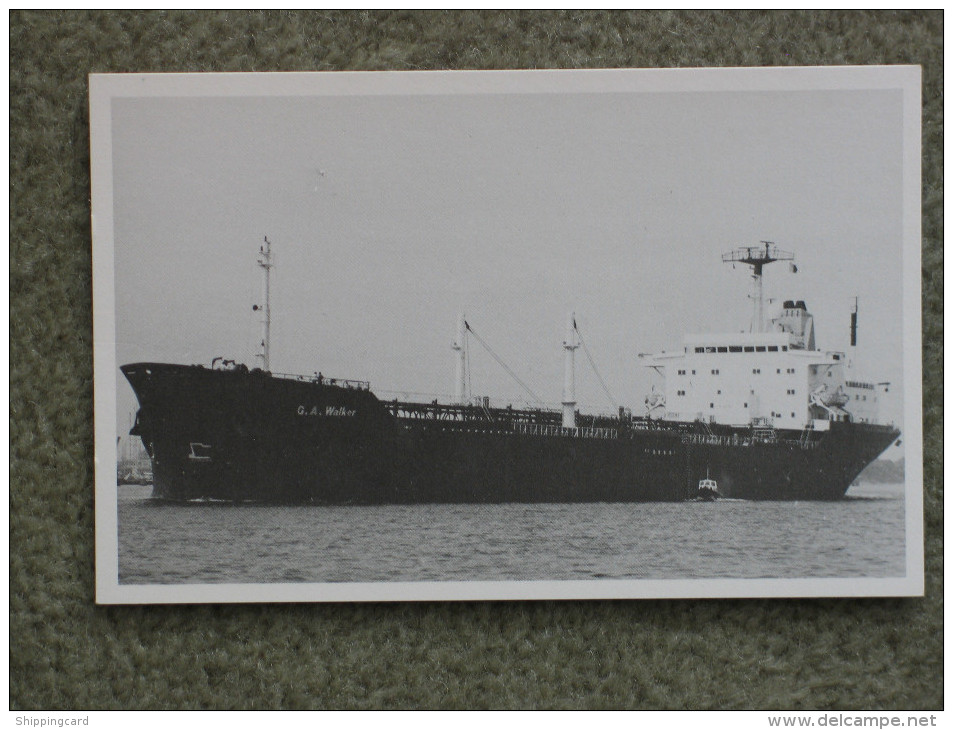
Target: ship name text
point(339, 411)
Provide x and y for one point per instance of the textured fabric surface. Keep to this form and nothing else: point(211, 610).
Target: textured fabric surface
point(68, 653)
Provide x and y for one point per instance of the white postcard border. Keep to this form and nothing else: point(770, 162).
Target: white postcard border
point(105, 87)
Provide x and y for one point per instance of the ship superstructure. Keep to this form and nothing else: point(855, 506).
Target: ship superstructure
point(772, 376)
point(764, 413)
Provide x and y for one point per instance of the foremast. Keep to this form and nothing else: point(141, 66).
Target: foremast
point(570, 345)
point(263, 356)
point(459, 347)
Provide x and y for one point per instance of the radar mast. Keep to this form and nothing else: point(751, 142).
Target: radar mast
point(757, 257)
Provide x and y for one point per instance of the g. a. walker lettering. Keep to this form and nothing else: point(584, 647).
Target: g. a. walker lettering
point(326, 411)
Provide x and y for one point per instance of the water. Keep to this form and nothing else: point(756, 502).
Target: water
point(860, 536)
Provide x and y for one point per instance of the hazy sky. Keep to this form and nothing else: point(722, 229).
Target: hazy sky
point(389, 215)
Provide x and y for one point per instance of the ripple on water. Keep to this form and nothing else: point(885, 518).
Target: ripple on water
point(160, 542)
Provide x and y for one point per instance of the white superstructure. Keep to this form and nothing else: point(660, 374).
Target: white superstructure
point(772, 376)
point(744, 378)
point(864, 399)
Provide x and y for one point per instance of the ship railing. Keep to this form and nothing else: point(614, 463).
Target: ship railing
point(805, 445)
point(541, 429)
point(636, 425)
point(645, 424)
point(704, 439)
point(469, 412)
point(437, 412)
point(322, 379)
point(524, 406)
point(710, 439)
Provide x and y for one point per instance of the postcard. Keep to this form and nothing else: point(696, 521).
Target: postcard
point(403, 336)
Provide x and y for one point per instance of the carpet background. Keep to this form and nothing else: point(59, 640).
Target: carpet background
point(67, 653)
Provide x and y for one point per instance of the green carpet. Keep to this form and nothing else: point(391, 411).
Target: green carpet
point(67, 653)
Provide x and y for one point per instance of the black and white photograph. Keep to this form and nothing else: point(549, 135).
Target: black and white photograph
point(507, 335)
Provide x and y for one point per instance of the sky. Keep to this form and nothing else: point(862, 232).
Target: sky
point(391, 214)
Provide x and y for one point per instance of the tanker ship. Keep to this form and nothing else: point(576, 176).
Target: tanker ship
point(763, 414)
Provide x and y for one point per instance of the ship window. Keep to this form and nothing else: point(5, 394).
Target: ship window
point(722, 349)
point(790, 371)
point(784, 348)
point(759, 348)
point(719, 392)
point(792, 415)
point(779, 371)
point(773, 348)
point(837, 357)
point(711, 405)
point(681, 372)
point(746, 405)
point(693, 372)
point(749, 348)
point(709, 349)
point(699, 349)
point(734, 348)
point(790, 391)
point(714, 372)
point(756, 371)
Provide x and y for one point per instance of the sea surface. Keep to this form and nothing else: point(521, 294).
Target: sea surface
point(161, 543)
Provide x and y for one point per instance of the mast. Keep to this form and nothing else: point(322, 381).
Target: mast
point(569, 381)
point(853, 325)
point(459, 347)
point(853, 336)
point(757, 257)
point(264, 261)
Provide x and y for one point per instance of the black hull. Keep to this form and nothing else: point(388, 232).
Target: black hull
point(248, 436)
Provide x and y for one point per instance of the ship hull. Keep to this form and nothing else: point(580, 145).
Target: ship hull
point(236, 435)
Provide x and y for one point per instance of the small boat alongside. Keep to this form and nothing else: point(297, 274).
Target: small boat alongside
point(707, 489)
